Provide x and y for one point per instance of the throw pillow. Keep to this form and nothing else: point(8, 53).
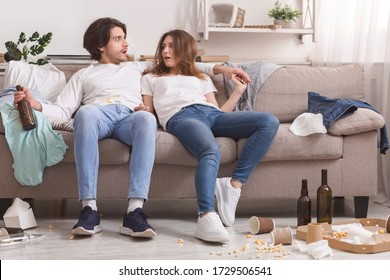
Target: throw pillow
point(361, 120)
point(45, 79)
point(60, 124)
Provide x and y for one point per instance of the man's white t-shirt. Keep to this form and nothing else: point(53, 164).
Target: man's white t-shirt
point(172, 93)
point(103, 84)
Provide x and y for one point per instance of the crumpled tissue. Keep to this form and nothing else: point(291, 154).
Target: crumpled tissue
point(317, 250)
point(356, 233)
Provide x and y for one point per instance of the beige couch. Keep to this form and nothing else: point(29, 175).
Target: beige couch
point(351, 160)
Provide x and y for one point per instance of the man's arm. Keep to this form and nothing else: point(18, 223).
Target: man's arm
point(228, 72)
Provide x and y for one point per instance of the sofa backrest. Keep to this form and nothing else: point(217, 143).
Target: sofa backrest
point(285, 92)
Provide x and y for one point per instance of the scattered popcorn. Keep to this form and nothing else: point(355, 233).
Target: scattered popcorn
point(236, 251)
point(180, 241)
point(71, 237)
point(339, 234)
point(259, 241)
point(245, 248)
point(50, 227)
point(249, 236)
point(382, 231)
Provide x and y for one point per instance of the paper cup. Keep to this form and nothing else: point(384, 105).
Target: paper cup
point(282, 236)
point(314, 232)
point(387, 226)
point(258, 225)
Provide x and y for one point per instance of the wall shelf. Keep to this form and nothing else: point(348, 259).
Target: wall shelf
point(203, 30)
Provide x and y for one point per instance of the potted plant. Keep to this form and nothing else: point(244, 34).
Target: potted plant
point(284, 15)
point(22, 50)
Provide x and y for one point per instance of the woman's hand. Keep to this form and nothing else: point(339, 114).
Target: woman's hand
point(26, 95)
point(239, 84)
point(141, 107)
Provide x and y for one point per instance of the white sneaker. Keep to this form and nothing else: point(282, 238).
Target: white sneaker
point(210, 228)
point(227, 200)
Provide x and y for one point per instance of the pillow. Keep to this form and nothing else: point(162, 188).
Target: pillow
point(45, 79)
point(361, 120)
point(60, 124)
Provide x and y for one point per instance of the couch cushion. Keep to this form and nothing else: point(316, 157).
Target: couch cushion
point(285, 92)
point(111, 151)
point(288, 146)
point(361, 120)
point(169, 150)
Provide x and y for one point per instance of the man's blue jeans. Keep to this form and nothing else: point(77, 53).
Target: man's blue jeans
point(136, 129)
point(196, 127)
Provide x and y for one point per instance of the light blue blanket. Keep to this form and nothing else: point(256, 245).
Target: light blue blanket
point(31, 150)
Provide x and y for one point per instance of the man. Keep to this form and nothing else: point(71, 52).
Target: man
point(107, 98)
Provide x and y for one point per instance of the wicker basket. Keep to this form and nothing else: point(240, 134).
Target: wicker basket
point(226, 15)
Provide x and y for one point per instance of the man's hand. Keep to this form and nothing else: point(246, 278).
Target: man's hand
point(230, 73)
point(26, 94)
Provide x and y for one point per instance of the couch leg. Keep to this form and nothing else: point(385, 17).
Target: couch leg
point(361, 206)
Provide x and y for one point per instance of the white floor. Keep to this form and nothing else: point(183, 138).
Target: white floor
point(174, 221)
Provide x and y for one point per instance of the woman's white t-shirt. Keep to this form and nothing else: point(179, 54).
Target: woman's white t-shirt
point(172, 93)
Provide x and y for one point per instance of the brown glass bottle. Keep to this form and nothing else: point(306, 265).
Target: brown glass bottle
point(324, 200)
point(25, 112)
point(304, 206)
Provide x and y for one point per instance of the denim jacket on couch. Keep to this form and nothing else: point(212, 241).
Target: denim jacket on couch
point(334, 109)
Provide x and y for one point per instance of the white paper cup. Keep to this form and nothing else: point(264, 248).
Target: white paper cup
point(282, 236)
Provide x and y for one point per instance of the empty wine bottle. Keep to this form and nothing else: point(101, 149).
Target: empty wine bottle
point(324, 200)
point(304, 206)
point(25, 112)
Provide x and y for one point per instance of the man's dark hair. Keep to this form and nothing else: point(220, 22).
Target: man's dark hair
point(98, 35)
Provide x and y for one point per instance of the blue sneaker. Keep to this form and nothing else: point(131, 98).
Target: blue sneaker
point(89, 222)
point(136, 225)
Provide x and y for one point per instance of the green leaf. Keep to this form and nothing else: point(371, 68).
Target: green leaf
point(35, 50)
point(22, 38)
point(41, 61)
point(45, 39)
point(11, 46)
point(34, 37)
point(25, 52)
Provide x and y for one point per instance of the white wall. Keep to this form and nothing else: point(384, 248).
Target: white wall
point(146, 20)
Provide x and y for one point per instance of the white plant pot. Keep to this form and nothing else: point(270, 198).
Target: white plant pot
point(284, 24)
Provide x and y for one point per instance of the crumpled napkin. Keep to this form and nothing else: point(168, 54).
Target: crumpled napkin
point(317, 250)
point(356, 233)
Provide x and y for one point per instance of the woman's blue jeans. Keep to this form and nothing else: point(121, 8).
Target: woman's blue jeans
point(196, 127)
point(136, 129)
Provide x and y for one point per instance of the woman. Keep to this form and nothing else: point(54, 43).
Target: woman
point(186, 106)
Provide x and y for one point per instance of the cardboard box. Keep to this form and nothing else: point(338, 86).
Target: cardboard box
point(19, 215)
point(382, 240)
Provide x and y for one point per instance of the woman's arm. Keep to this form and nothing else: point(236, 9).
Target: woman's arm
point(239, 88)
point(148, 103)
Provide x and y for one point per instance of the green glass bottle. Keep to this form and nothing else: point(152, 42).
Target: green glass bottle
point(324, 200)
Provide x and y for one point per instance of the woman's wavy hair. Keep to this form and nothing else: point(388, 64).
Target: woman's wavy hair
point(185, 49)
point(98, 35)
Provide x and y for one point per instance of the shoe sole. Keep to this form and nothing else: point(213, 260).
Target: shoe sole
point(211, 238)
point(83, 231)
point(149, 233)
point(218, 196)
